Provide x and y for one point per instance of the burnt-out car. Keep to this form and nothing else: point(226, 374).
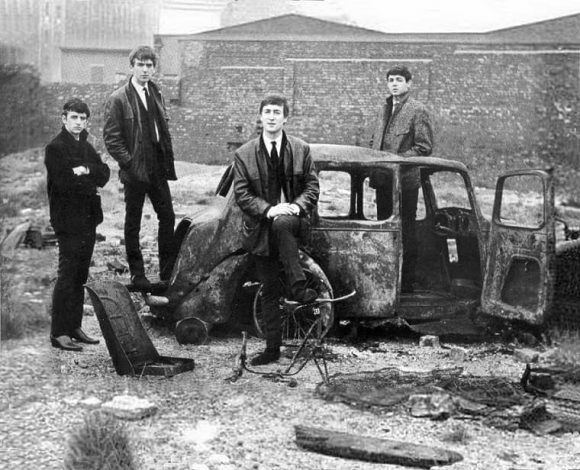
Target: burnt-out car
point(509, 267)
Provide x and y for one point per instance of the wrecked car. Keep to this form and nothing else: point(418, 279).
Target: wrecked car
point(509, 267)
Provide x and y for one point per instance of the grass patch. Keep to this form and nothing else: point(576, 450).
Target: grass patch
point(100, 443)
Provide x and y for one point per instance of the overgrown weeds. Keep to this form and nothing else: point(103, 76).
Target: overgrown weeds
point(33, 197)
point(566, 354)
point(12, 325)
point(100, 443)
point(18, 315)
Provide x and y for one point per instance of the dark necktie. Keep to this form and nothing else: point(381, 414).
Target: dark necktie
point(151, 109)
point(278, 167)
point(274, 156)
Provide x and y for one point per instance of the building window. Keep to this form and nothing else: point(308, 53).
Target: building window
point(97, 73)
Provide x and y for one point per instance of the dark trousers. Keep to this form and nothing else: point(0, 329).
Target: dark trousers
point(409, 214)
point(285, 233)
point(160, 197)
point(74, 257)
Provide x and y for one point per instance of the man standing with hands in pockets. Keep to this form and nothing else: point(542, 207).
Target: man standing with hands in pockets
point(137, 136)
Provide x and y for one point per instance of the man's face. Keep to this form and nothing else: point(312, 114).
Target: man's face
point(398, 85)
point(75, 122)
point(143, 70)
point(272, 118)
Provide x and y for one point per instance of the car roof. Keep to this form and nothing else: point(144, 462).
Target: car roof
point(333, 153)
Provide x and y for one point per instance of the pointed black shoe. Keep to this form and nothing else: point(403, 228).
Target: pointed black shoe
point(64, 342)
point(266, 357)
point(81, 336)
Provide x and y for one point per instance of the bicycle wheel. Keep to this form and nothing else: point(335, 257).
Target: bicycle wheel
point(296, 321)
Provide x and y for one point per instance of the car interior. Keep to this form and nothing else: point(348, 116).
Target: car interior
point(448, 265)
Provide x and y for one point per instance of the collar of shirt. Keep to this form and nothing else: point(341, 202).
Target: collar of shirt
point(399, 100)
point(137, 86)
point(140, 90)
point(268, 143)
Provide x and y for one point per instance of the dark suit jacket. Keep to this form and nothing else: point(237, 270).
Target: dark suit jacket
point(123, 134)
point(251, 188)
point(75, 206)
point(408, 133)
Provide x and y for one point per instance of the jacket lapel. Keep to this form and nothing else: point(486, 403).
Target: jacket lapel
point(381, 126)
point(131, 99)
point(262, 165)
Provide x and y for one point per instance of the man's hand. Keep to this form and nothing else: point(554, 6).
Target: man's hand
point(80, 170)
point(283, 209)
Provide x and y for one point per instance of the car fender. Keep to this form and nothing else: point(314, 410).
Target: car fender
point(211, 300)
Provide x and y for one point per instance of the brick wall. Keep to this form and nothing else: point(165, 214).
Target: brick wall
point(492, 109)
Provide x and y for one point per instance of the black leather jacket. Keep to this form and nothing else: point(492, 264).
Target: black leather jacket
point(123, 134)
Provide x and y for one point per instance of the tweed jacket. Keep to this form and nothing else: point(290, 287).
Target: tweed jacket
point(251, 188)
point(75, 206)
point(408, 133)
point(123, 134)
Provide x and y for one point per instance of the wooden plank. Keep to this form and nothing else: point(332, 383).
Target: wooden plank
point(372, 449)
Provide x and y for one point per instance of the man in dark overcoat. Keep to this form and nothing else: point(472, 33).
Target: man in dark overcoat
point(74, 171)
point(276, 186)
point(137, 136)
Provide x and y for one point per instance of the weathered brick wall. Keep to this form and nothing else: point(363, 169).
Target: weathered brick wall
point(56, 94)
point(30, 112)
point(333, 89)
point(494, 110)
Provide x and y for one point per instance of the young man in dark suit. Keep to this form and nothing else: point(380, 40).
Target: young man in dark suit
point(403, 127)
point(137, 136)
point(276, 186)
point(74, 171)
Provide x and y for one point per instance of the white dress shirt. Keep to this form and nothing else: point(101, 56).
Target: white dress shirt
point(140, 89)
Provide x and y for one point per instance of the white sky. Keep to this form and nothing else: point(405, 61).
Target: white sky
point(408, 16)
point(454, 15)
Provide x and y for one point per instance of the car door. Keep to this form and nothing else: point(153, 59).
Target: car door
point(519, 277)
point(357, 237)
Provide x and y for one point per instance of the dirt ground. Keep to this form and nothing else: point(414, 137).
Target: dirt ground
point(206, 422)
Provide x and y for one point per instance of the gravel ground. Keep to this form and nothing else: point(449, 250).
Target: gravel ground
point(205, 420)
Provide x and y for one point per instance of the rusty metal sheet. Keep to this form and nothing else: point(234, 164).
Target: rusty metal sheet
point(130, 348)
point(365, 261)
point(520, 271)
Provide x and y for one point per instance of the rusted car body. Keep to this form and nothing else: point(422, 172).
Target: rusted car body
point(509, 267)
